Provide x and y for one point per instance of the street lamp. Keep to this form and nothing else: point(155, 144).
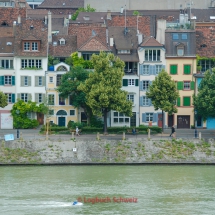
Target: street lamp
point(17, 134)
point(195, 124)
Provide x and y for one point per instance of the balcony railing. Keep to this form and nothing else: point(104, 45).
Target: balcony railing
point(179, 26)
point(130, 71)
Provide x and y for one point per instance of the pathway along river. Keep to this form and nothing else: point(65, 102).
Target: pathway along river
point(168, 190)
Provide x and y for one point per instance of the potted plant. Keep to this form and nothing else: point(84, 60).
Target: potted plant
point(199, 68)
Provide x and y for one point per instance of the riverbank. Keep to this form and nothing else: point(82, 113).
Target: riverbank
point(129, 151)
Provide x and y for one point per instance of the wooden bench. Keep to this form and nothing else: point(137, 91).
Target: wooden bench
point(129, 131)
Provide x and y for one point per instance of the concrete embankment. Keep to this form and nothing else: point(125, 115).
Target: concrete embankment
point(130, 151)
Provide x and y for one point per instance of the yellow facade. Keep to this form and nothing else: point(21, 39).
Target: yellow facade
point(184, 118)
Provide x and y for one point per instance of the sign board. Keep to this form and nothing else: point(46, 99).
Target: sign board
point(8, 137)
point(6, 121)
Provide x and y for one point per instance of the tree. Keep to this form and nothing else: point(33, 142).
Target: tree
point(204, 101)
point(87, 9)
point(163, 93)
point(3, 100)
point(103, 87)
point(69, 86)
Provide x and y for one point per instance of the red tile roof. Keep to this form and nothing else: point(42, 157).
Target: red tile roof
point(150, 42)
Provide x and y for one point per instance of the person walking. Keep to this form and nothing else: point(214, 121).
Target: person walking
point(173, 132)
point(77, 131)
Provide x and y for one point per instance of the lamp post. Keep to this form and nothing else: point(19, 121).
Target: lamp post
point(17, 134)
point(195, 124)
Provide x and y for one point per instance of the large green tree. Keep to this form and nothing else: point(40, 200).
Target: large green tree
point(69, 86)
point(103, 87)
point(204, 101)
point(163, 93)
point(3, 100)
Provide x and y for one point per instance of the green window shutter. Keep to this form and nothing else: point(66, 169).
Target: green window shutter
point(180, 85)
point(136, 82)
point(13, 98)
point(173, 69)
point(192, 85)
point(178, 101)
point(29, 80)
point(186, 101)
point(37, 97)
point(187, 69)
point(1, 80)
point(22, 81)
point(125, 83)
point(13, 80)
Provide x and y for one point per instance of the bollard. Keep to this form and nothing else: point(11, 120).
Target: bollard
point(195, 133)
point(123, 136)
point(47, 135)
point(148, 133)
point(200, 135)
point(98, 136)
point(17, 135)
point(21, 138)
point(73, 135)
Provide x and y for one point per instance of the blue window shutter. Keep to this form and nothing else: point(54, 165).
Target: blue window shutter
point(1, 80)
point(141, 69)
point(141, 101)
point(13, 98)
point(143, 117)
point(141, 85)
point(151, 70)
point(155, 117)
point(13, 80)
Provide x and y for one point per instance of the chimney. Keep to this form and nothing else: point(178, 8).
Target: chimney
point(19, 19)
point(49, 27)
point(111, 41)
point(45, 20)
point(140, 38)
point(14, 28)
point(109, 14)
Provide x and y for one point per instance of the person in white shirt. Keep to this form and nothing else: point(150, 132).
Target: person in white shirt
point(77, 131)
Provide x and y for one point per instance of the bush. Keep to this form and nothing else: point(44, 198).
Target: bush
point(55, 128)
point(72, 125)
point(91, 130)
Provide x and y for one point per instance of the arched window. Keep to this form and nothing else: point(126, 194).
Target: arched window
point(62, 113)
point(61, 68)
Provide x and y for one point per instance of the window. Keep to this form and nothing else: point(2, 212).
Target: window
point(152, 55)
point(40, 97)
point(72, 112)
point(124, 51)
point(70, 100)
point(51, 112)
point(120, 118)
point(87, 56)
point(58, 79)
point(149, 117)
point(186, 85)
point(26, 46)
point(186, 101)
point(180, 51)
point(130, 97)
point(187, 69)
point(34, 46)
point(40, 81)
point(51, 99)
point(61, 101)
point(7, 80)
point(31, 63)
point(184, 36)
point(173, 69)
point(6, 64)
point(10, 97)
point(145, 101)
point(175, 37)
point(25, 81)
point(51, 79)
point(131, 82)
point(24, 97)
point(145, 85)
point(158, 69)
point(145, 69)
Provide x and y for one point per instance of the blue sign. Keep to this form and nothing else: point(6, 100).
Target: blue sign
point(8, 137)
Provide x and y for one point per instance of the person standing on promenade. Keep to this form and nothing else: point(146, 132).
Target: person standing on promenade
point(173, 132)
point(77, 131)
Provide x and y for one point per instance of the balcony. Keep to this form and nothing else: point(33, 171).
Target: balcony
point(130, 71)
point(179, 26)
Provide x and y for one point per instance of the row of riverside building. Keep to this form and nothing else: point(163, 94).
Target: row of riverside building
point(147, 43)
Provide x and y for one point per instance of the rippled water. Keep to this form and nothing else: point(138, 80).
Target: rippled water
point(169, 190)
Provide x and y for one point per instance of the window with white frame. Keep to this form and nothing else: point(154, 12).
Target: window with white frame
point(61, 101)
point(120, 118)
point(7, 79)
point(9, 97)
point(145, 69)
point(31, 45)
point(34, 46)
point(26, 46)
point(124, 51)
point(131, 82)
point(72, 112)
point(180, 51)
point(40, 81)
point(158, 69)
point(40, 97)
point(6, 64)
point(24, 97)
point(145, 85)
point(25, 80)
point(58, 80)
point(186, 85)
point(149, 117)
point(31, 63)
point(51, 79)
point(51, 99)
point(145, 101)
point(130, 97)
point(152, 55)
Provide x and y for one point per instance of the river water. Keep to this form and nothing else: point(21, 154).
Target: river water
point(168, 190)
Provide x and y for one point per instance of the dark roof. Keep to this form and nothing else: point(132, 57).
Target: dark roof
point(6, 46)
point(150, 42)
point(203, 15)
point(38, 14)
point(63, 50)
point(58, 25)
point(90, 17)
point(59, 4)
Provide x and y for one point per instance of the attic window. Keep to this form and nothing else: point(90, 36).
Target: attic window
point(203, 45)
point(86, 18)
point(54, 43)
point(124, 51)
point(4, 24)
point(9, 43)
point(31, 27)
point(180, 51)
point(62, 41)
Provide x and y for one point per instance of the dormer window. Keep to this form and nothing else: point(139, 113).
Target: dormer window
point(152, 55)
point(123, 51)
point(180, 51)
point(62, 41)
point(31, 46)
